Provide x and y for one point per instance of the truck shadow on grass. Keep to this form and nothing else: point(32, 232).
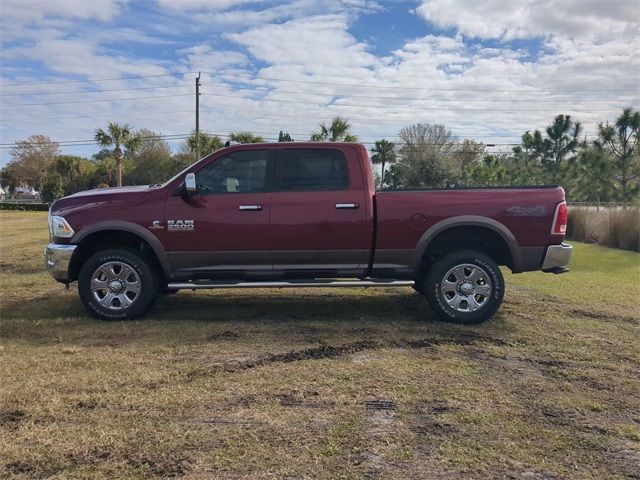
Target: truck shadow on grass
point(304, 316)
point(240, 306)
point(286, 305)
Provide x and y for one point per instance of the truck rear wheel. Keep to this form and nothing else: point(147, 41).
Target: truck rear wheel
point(117, 284)
point(464, 287)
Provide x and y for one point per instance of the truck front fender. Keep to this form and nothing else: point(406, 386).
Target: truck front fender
point(132, 228)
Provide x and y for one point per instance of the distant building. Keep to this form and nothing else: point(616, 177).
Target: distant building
point(26, 193)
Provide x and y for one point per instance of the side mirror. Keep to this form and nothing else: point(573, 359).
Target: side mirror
point(190, 183)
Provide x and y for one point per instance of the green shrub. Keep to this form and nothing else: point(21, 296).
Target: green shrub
point(24, 207)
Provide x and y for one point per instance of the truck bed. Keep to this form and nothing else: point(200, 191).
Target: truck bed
point(520, 215)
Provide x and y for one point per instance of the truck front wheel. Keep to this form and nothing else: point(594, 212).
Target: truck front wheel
point(464, 287)
point(117, 284)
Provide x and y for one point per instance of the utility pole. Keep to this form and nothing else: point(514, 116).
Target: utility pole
point(198, 117)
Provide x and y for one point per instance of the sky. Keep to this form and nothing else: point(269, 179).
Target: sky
point(488, 70)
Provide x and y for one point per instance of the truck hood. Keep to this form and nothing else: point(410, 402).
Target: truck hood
point(90, 199)
point(112, 191)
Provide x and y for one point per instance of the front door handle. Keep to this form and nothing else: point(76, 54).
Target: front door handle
point(250, 207)
point(347, 205)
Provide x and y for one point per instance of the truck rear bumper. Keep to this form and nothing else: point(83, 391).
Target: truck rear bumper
point(557, 258)
point(57, 259)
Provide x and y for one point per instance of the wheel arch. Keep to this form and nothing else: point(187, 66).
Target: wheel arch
point(479, 233)
point(105, 235)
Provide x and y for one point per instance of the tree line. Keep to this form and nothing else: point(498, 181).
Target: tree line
point(424, 156)
point(605, 169)
point(127, 157)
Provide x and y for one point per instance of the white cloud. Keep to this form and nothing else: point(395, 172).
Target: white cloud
point(125, 35)
point(432, 78)
point(33, 10)
point(80, 57)
point(204, 57)
point(319, 44)
point(210, 5)
point(511, 19)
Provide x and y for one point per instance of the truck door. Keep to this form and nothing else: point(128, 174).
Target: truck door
point(222, 230)
point(319, 223)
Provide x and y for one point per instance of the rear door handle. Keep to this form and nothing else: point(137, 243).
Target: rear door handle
point(250, 207)
point(347, 205)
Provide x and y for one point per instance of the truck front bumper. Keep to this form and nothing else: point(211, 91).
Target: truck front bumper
point(57, 259)
point(557, 258)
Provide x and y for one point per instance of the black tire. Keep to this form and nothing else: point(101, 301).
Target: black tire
point(457, 297)
point(143, 280)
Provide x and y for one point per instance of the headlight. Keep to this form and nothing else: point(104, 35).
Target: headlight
point(59, 227)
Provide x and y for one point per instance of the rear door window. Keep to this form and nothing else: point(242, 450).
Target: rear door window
point(311, 169)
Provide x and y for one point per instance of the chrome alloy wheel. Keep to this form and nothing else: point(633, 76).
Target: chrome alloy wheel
point(466, 288)
point(115, 285)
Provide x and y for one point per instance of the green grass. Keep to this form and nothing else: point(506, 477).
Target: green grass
point(320, 383)
point(591, 268)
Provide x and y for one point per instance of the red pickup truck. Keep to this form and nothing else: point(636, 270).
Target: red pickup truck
point(301, 215)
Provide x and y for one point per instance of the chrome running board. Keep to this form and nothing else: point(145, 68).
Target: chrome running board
point(291, 284)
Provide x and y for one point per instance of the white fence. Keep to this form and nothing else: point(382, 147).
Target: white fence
point(20, 201)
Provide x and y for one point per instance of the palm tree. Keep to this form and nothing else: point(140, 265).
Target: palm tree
point(206, 144)
point(337, 131)
point(245, 137)
point(284, 137)
point(562, 138)
point(621, 141)
point(119, 136)
point(383, 152)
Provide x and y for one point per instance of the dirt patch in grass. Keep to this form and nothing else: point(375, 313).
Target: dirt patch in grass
point(21, 468)
point(88, 405)
point(607, 316)
point(626, 457)
point(226, 335)
point(12, 418)
point(326, 351)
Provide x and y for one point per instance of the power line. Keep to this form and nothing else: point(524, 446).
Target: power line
point(111, 116)
point(180, 136)
point(402, 107)
point(331, 94)
point(218, 112)
point(96, 101)
point(273, 139)
point(91, 91)
point(258, 89)
point(257, 77)
point(316, 118)
point(262, 115)
point(169, 136)
point(95, 80)
point(315, 82)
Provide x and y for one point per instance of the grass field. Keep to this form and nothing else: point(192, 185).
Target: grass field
point(321, 383)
